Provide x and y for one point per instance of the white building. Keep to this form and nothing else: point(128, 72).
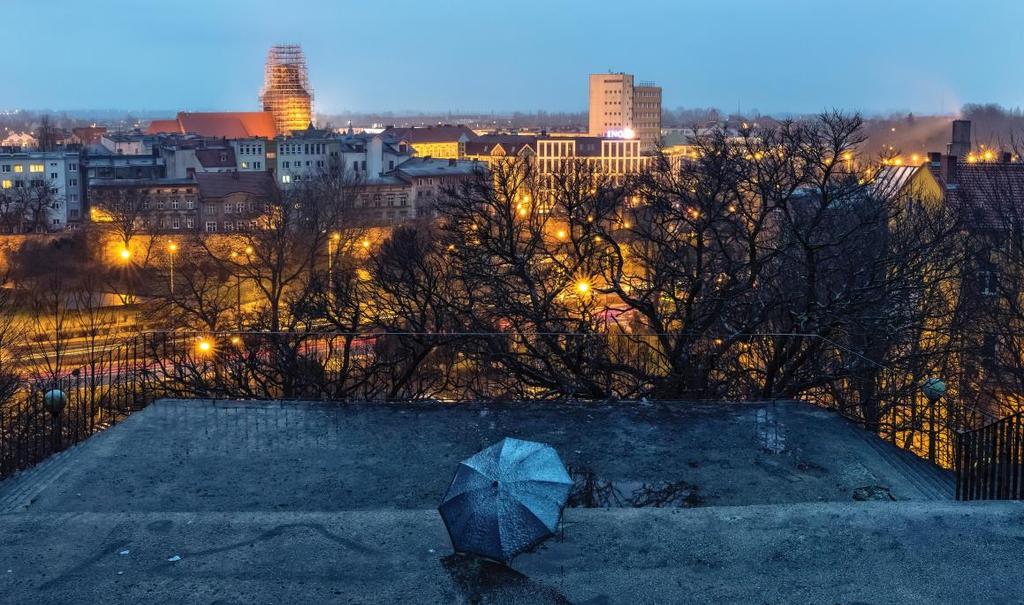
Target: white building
point(364, 157)
point(251, 154)
point(51, 175)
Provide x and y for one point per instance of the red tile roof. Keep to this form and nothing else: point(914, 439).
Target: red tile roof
point(222, 184)
point(225, 125)
point(164, 127)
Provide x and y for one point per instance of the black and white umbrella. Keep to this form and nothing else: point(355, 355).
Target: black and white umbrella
point(505, 499)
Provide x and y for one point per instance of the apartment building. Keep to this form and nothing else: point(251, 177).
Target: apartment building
point(41, 191)
point(362, 157)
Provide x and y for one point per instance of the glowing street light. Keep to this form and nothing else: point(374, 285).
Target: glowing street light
point(204, 346)
point(582, 286)
point(172, 249)
point(125, 254)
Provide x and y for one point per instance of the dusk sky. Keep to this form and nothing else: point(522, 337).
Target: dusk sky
point(399, 55)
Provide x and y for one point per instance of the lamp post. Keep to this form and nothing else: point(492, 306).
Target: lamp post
point(934, 389)
point(172, 249)
point(54, 401)
point(336, 239)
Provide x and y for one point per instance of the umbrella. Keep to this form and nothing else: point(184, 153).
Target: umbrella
point(505, 499)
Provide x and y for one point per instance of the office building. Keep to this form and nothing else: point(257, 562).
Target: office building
point(620, 108)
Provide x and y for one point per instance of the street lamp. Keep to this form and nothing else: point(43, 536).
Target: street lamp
point(125, 254)
point(582, 286)
point(172, 249)
point(934, 389)
point(334, 240)
point(204, 346)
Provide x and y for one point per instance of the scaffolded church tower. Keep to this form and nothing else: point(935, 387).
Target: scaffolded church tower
point(286, 92)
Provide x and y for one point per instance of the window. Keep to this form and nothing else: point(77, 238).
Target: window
point(6, 184)
point(73, 182)
point(257, 165)
point(286, 178)
point(19, 168)
point(174, 204)
point(190, 204)
point(176, 223)
point(211, 226)
point(36, 167)
point(245, 165)
point(5, 168)
point(53, 175)
point(73, 167)
point(189, 222)
point(989, 282)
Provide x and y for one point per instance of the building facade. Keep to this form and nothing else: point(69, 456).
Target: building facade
point(158, 205)
point(233, 201)
point(360, 157)
point(41, 191)
point(443, 141)
point(621, 108)
point(647, 115)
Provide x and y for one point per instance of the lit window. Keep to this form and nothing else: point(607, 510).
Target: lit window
point(286, 178)
point(7, 184)
point(19, 168)
point(36, 167)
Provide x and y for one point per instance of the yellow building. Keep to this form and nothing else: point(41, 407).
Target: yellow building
point(491, 148)
point(443, 141)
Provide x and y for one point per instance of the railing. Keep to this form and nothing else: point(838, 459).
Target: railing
point(989, 461)
point(449, 367)
point(105, 388)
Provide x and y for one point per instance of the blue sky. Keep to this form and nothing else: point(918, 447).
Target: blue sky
point(501, 55)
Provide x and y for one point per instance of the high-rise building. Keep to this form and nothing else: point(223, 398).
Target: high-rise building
point(647, 115)
point(286, 91)
point(621, 109)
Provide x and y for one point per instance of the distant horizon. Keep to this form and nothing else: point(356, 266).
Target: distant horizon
point(422, 113)
point(739, 55)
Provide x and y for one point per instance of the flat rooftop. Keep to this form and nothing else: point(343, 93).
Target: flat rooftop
point(231, 502)
point(185, 456)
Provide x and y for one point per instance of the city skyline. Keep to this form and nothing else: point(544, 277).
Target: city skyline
point(734, 55)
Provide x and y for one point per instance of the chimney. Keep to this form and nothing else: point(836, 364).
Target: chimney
point(960, 144)
point(949, 171)
point(1006, 157)
point(935, 158)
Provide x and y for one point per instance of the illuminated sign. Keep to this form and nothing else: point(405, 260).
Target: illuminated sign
point(625, 133)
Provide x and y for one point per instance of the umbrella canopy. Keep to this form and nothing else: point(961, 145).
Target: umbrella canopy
point(505, 499)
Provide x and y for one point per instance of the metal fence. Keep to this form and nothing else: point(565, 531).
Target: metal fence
point(84, 400)
point(990, 461)
point(103, 388)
